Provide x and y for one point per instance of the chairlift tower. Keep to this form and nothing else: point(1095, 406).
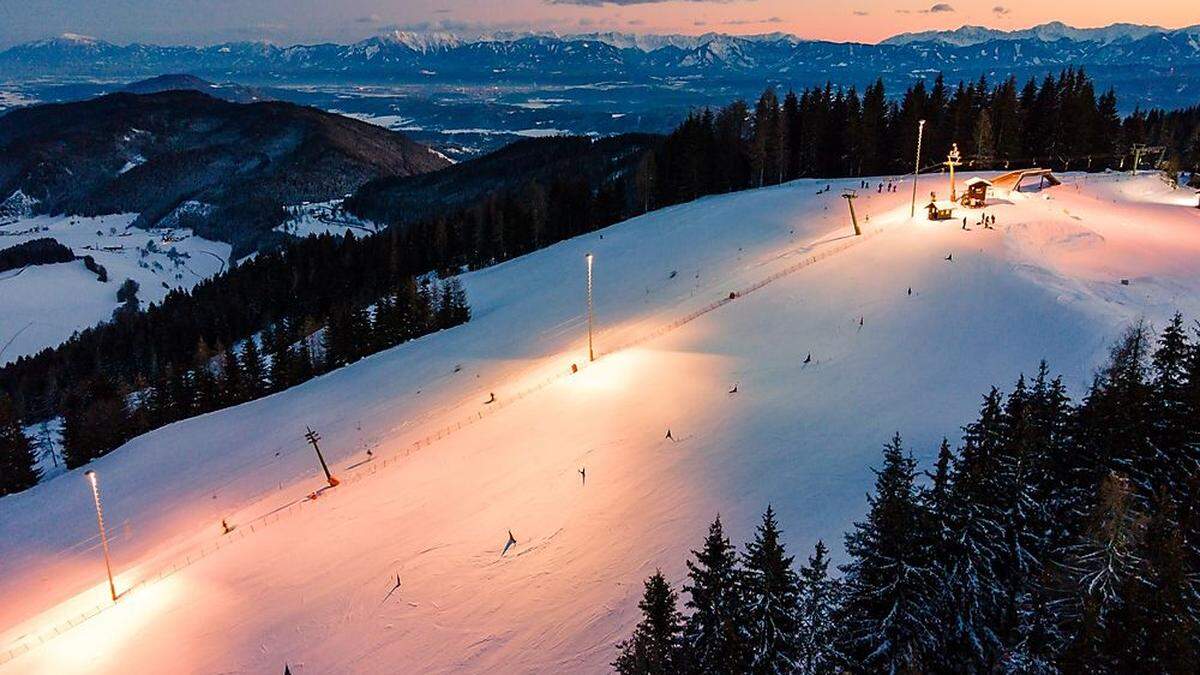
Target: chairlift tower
point(953, 160)
point(850, 196)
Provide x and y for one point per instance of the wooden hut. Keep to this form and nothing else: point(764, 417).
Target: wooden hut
point(976, 193)
point(940, 211)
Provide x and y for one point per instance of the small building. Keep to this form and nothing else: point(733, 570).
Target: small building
point(940, 210)
point(976, 193)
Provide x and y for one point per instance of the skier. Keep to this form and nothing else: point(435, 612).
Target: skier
point(583, 475)
point(225, 526)
point(734, 390)
point(491, 400)
point(511, 541)
point(394, 589)
point(808, 359)
point(950, 257)
point(861, 320)
point(669, 436)
point(910, 290)
point(964, 222)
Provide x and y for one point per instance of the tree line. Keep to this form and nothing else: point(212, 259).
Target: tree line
point(264, 326)
point(828, 131)
point(44, 251)
point(1059, 536)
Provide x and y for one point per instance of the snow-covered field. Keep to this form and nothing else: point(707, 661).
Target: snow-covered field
point(42, 305)
point(303, 581)
point(324, 218)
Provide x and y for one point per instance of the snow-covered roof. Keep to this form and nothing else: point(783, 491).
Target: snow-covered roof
point(977, 180)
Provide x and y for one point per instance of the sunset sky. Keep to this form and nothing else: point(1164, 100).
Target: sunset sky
point(288, 21)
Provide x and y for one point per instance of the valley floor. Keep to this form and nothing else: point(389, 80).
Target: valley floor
point(303, 582)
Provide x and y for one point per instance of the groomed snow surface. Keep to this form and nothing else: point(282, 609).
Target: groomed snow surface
point(42, 305)
point(306, 585)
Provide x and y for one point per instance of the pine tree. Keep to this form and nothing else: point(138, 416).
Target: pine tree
point(18, 464)
point(1117, 419)
point(95, 422)
point(819, 604)
point(888, 616)
point(205, 384)
point(233, 386)
point(654, 648)
point(453, 309)
point(1099, 570)
point(254, 372)
point(1174, 428)
point(772, 596)
point(1160, 628)
point(712, 636)
point(977, 518)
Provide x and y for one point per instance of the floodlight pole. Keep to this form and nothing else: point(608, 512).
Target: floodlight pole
point(112, 587)
point(917, 167)
point(591, 351)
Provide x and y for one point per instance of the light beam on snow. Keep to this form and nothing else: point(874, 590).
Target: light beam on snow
point(98, 643)
point(611, 373)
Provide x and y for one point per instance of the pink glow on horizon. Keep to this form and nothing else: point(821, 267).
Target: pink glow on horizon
point(308, 21)
point(855, 21)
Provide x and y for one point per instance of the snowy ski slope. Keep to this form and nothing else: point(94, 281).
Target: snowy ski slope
point(303, 581)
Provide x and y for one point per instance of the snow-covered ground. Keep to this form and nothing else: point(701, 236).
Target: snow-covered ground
point(42, 305)
point(303, 581)
point(324, 218)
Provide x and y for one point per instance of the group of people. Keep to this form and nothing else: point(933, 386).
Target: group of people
point(985, 220)
point(866, 185)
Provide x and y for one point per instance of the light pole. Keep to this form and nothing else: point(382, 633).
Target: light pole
point(917, 167)
point(591, 352)
point(112, 587)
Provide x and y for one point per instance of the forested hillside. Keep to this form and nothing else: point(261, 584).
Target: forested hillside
point(224, 169)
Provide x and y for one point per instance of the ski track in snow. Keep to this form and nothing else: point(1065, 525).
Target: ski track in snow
point(303, 584)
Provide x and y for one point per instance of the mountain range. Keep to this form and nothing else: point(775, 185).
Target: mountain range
point(513, 55)
point(1148, 65)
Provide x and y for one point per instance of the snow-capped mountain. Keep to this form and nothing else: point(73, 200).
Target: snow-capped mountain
point(621, 54)
point(966, 36)
point(1167, 61)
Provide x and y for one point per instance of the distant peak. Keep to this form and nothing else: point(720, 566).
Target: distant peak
point(76, 37)
point(968, 35)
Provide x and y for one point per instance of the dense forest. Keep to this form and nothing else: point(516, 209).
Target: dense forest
point(265, 325)
point(819, 132)
point(825, 132)
point(43, 251)
point(1059, 537)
